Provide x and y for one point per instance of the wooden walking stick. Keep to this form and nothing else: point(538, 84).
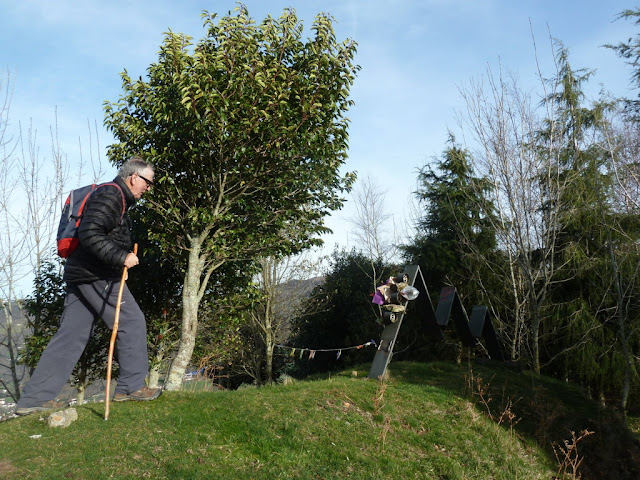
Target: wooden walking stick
point(114, 333)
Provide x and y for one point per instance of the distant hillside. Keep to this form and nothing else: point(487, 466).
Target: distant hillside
point(15, 312)
point(299, 290)
point(301, 287)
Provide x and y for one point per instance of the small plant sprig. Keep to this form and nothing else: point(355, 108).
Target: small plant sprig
point(378, 404)
point(481, 390)
point(568, 458)
point(378, 399)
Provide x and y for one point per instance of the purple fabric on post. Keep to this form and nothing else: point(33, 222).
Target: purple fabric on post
point(378, 298)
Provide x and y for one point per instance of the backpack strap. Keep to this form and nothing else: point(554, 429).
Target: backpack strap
point(124, 202)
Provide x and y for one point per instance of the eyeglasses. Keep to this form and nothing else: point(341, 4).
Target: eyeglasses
point(148, 182)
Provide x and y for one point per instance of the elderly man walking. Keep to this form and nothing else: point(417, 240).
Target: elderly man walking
point(93, 274)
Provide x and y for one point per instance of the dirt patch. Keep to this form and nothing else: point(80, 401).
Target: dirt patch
point(345, 406)
point(6, 467)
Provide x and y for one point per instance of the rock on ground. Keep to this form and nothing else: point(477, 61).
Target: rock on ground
point(62, 418)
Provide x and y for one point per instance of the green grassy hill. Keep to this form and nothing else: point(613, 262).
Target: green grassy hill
point(428, 421)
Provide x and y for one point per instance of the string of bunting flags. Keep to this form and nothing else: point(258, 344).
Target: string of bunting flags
point(312, 352)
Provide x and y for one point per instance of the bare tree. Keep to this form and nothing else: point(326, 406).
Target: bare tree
point(29, 207)
point(43, 181)
point(31, 193)
point(526, 187)
point(284, 284)
point(374, 227)
point(622, 142)
point(12, 251)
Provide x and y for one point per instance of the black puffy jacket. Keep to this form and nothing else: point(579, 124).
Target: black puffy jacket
point(105, 237)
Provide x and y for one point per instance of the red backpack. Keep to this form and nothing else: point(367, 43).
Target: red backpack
point(72, 211)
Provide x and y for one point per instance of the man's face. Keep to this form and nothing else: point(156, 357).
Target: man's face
point(141, 182)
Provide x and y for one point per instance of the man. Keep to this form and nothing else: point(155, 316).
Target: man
point(93, 273)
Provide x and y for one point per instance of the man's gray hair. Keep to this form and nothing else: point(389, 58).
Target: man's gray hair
point(135, 164)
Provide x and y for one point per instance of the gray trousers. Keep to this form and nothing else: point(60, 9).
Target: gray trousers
point(84, 305)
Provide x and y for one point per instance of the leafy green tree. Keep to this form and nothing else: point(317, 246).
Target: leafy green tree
point(248, 132)
point(455, 242)
point(456, 229)
point(624, 153)
point(223, 347)
point(156, 284)
point(595, 286)
point(569, 201)
point(339, 313)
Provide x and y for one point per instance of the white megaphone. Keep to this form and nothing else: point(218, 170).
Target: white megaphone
point(410, 293)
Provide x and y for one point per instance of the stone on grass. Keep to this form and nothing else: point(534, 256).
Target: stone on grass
point(285, 379)
point(62, 418)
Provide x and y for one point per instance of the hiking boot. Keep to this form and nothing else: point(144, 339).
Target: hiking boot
point(50, 405)
point(142, 395)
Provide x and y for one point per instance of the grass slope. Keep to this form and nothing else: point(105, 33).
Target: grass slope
point(422, 422)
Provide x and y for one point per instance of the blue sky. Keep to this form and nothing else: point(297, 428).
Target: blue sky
point(65, 56)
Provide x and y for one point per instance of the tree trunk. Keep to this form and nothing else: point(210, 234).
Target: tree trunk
point(535, 334)
point(154, 372)
point(516, 310)
point(187, 340)
point(621, 315)
point(191, 295)
point(81, 392)
point(154, 377)
point(270, 344)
